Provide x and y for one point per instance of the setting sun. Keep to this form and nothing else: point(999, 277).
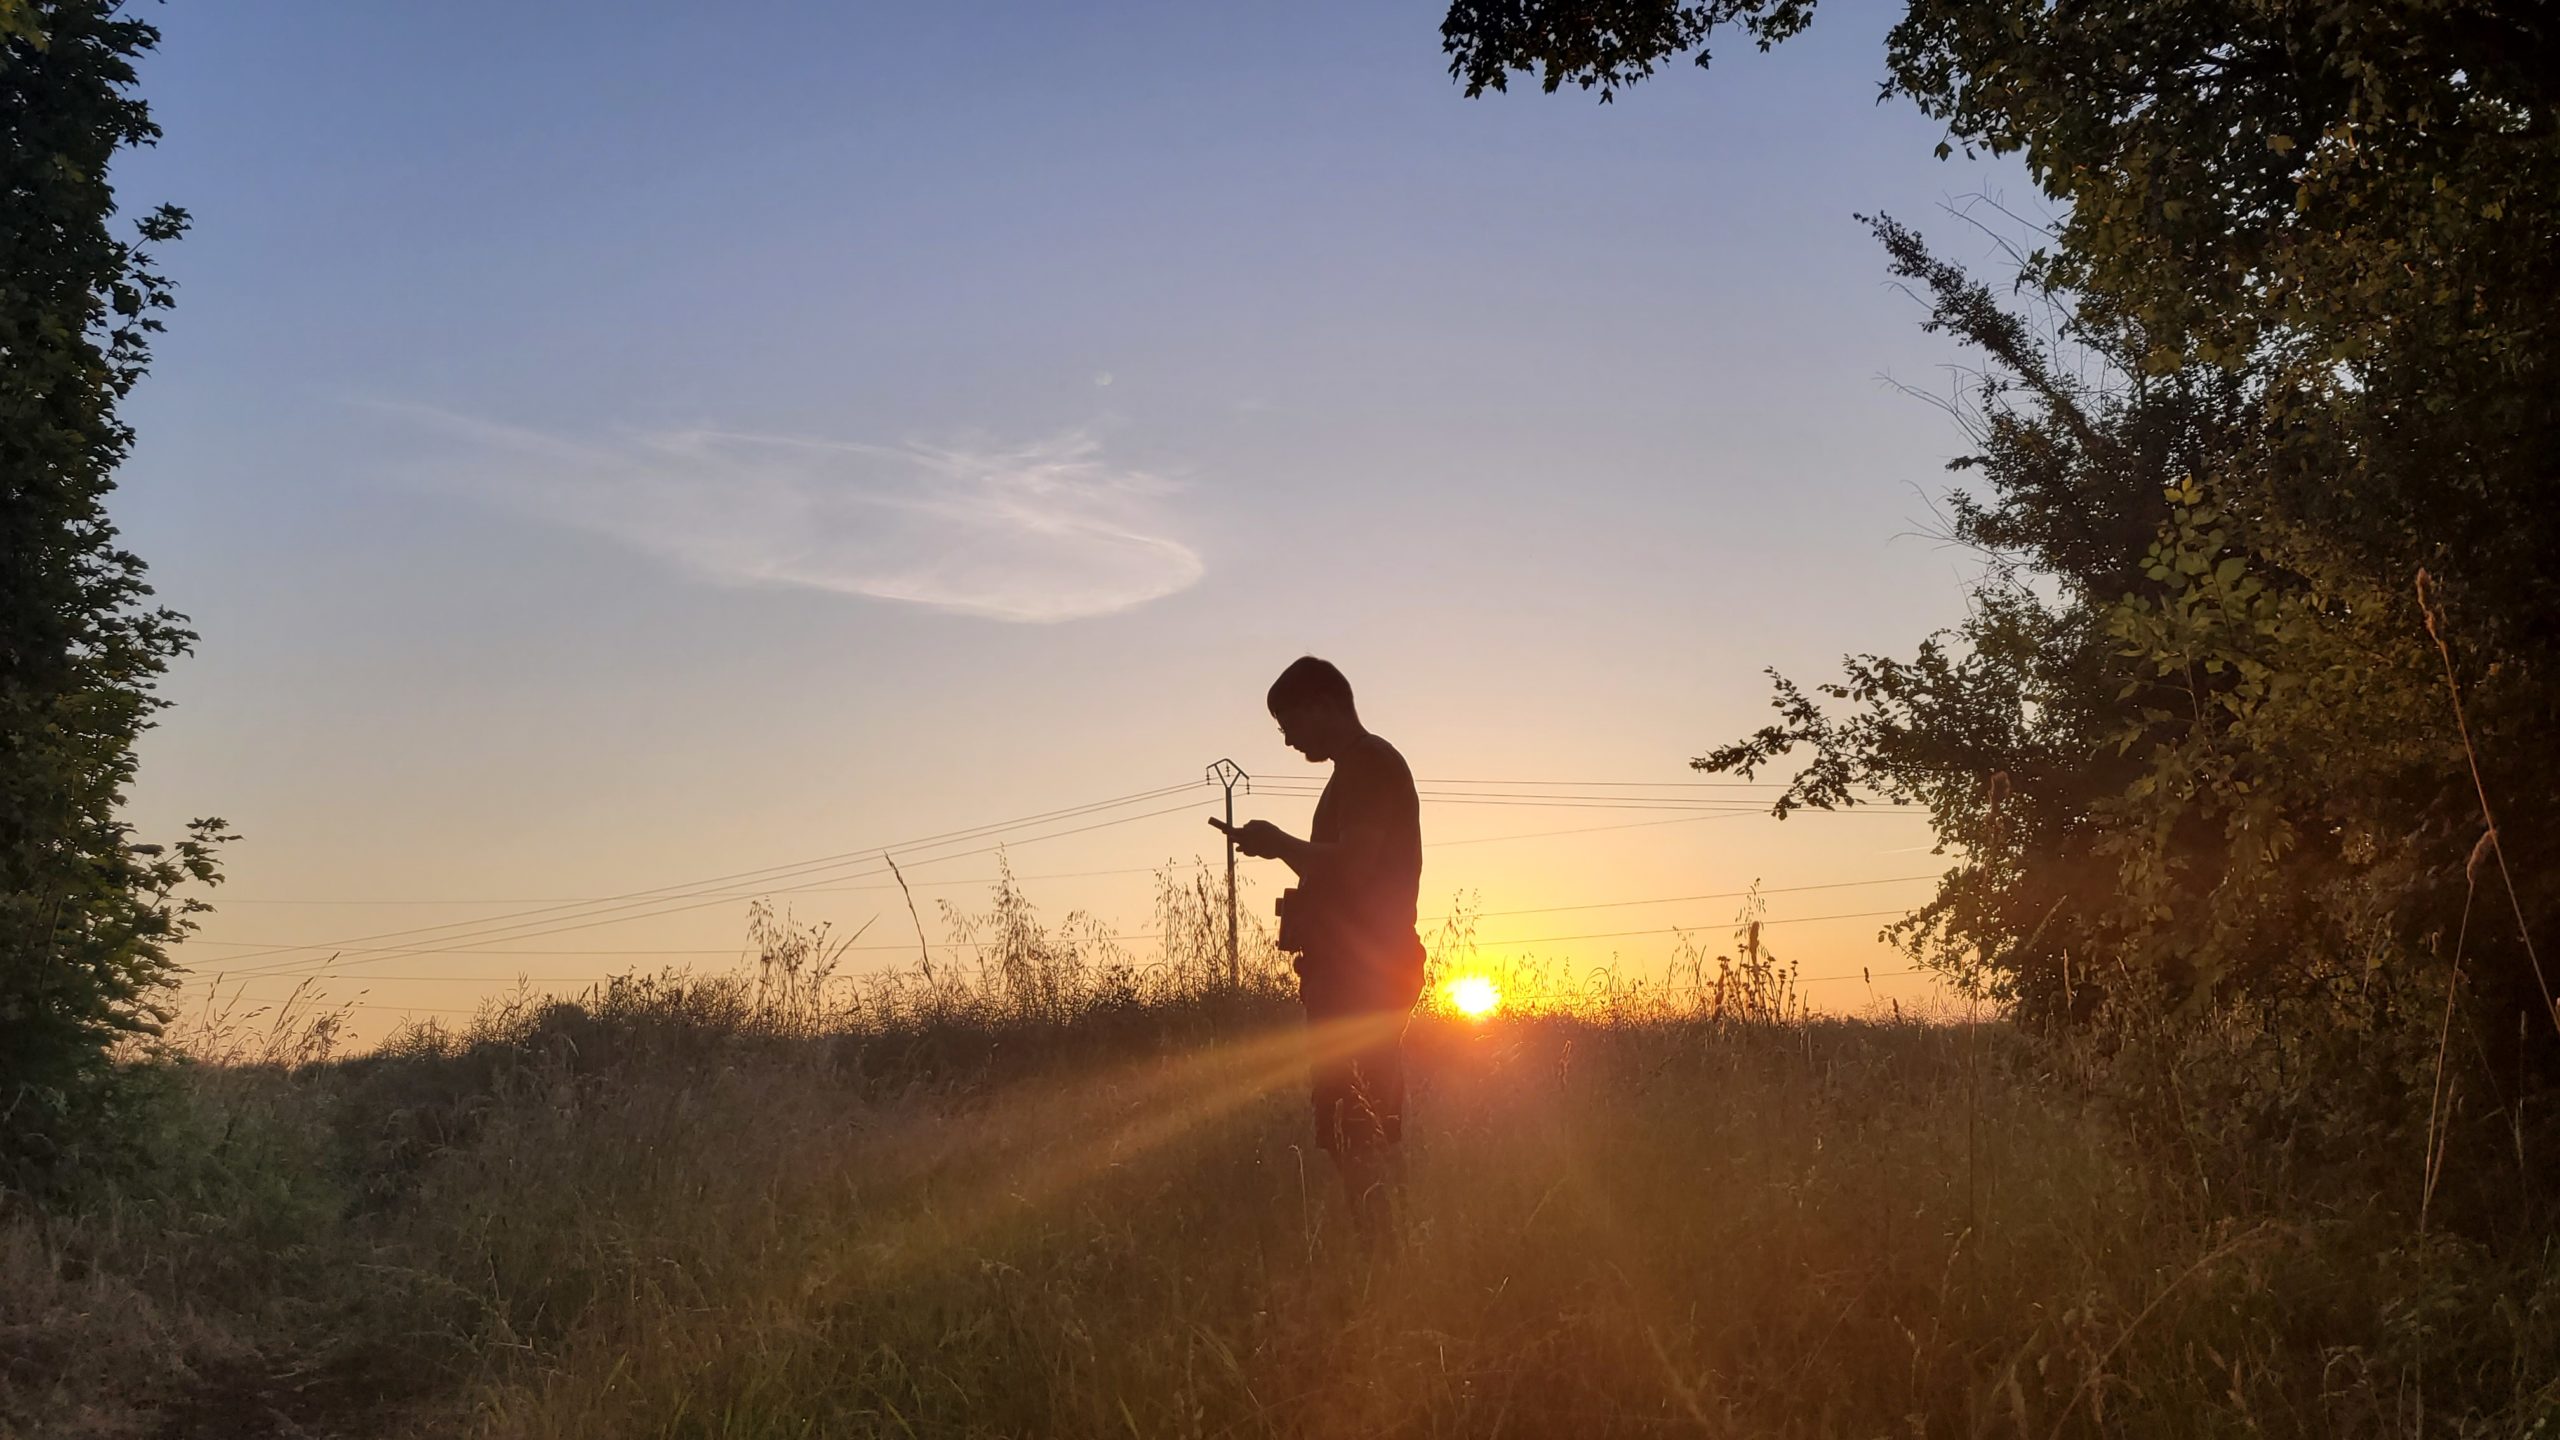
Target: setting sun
point(1473, 996)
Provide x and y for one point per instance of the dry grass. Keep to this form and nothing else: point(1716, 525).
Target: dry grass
point(1069, 1195)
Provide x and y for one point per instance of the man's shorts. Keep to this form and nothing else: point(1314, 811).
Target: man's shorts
point(1355, 1039)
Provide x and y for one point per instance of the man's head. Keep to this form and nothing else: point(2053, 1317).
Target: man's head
point(1312, 702)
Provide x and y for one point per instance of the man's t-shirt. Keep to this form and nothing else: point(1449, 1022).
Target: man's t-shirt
point(1363, 945)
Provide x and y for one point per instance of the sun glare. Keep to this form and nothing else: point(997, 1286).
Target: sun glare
point(1473, 996)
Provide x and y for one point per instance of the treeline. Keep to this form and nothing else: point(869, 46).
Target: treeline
point(87, 914)
point(2264, 467)
point(2253, 713)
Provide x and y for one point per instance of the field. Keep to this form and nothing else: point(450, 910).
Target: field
point(1071, 1197)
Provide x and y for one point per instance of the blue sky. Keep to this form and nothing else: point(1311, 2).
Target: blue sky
point(607, 446)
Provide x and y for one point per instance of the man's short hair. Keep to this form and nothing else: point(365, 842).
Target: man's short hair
point(1309, 680)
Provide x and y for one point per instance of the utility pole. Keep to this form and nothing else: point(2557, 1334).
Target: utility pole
point(1228, 774)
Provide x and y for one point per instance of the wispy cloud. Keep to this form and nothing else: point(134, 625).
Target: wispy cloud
point(1041, 532)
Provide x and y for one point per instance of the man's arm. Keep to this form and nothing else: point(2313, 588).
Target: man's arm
point(1266, 841)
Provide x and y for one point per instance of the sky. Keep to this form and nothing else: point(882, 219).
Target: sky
point(603, 450)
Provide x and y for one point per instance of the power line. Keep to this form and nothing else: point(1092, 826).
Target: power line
point(1430, 790)
point(217, 978)
point(1284, 787)
point(230, 900)
point(697, 950)
point(460, 936)
point(1680, 929)
point(1625, 784)
point(1475, 948)
point(1153, 935)
point(1580, 830)
point(1722, 895)
point(1712, 807)
point(459, 945)
point(1626, 790)
point(493, 930)
point(689, 889)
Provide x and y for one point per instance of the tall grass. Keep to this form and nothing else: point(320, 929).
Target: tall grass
point(1037, 1187)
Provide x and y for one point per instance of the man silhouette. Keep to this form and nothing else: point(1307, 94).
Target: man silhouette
point(1352, 920)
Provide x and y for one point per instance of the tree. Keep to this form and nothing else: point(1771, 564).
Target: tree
point(2357, 201)
point(2197, 724)
point(86, 915)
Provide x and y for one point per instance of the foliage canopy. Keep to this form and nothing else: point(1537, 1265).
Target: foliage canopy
point(86, 916)
point(2289, 341)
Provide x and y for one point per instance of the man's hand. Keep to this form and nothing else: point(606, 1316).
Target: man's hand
point(1258, 838)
